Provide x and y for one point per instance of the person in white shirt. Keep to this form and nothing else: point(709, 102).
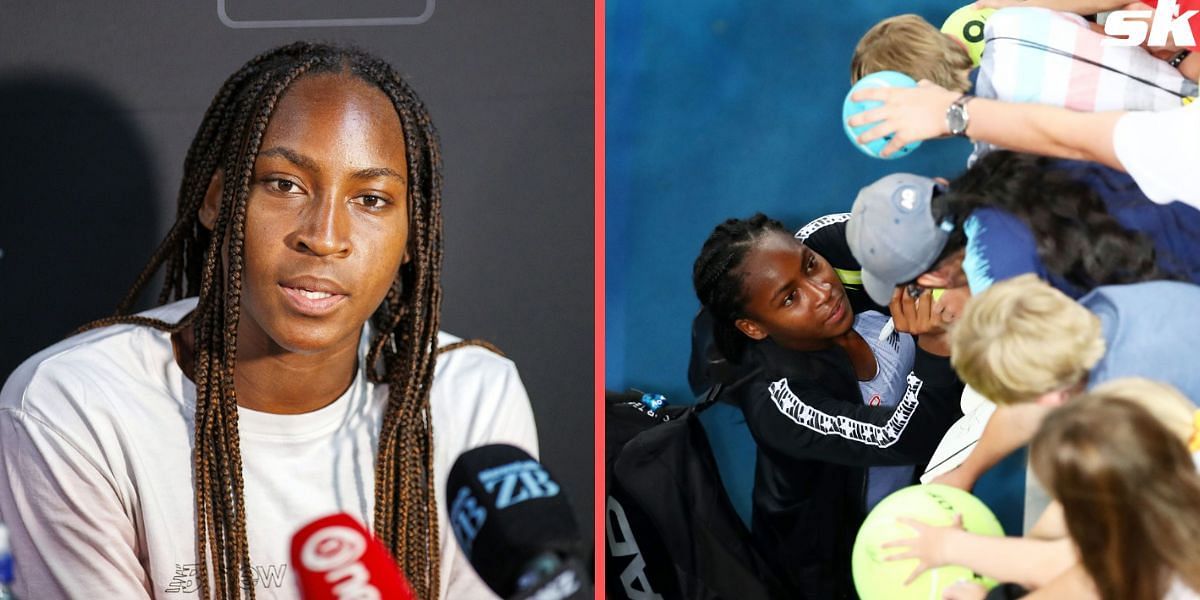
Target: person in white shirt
point(293, 372)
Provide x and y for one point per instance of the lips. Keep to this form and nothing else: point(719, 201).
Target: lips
point(312, 296)
point(838, 310)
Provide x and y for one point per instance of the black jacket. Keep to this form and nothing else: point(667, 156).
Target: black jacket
point(815, 436)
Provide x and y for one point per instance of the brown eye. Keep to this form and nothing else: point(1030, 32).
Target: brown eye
point(372, 201)
point(790, 299)
point(283, 186)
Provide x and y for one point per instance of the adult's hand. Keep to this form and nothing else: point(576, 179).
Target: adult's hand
point(920, 317)
point(907, 114)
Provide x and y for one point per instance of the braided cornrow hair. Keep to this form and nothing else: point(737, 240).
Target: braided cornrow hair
point(402, 350)
point(718, 279)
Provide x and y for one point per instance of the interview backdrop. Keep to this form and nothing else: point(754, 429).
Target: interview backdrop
point(718, 109)
point(99, 101)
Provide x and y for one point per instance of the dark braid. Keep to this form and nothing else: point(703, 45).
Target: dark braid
point(718, 279)
point(402, 351)
point(1077, 238)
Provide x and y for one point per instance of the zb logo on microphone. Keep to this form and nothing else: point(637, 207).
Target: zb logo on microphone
point(508, 485)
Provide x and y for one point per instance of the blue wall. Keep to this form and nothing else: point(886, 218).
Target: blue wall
point(719, 109)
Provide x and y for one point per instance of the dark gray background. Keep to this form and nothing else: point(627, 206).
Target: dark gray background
point(99, 100)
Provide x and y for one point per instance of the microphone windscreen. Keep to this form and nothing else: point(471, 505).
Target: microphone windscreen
point(336, 558)
point(506, 511)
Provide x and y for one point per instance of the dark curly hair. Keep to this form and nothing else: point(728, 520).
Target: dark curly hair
point(1077, 238)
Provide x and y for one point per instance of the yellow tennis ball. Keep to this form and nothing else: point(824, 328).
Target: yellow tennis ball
point(876, 578)
point(966, 26)
point(937, 293)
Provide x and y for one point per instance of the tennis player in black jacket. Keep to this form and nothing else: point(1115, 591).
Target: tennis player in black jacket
point(780, 329)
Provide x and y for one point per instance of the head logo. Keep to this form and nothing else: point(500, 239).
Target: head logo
point(1132, 27)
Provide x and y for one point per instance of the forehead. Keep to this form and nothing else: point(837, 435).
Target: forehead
point(770, 261)
point(338, 118)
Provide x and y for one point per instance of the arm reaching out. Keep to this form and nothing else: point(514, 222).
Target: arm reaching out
point(916, 114)
point(1009, 428)
point(1079, 7)
point(1031, 563)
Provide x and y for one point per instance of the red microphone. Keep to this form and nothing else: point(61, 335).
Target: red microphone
point(336, 558)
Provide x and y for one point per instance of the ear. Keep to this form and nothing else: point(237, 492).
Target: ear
point(1053, 399)
point(212, 201)
point(752, 329)
point(947, 273)
point(933, 279)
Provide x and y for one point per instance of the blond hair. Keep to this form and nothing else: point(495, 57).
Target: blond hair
point(910, 45)
point(1161, 400)
point(1022, 338)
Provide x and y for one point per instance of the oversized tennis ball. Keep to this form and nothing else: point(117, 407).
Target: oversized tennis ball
point(851, 108)
point(935, 504)
point(966, 25)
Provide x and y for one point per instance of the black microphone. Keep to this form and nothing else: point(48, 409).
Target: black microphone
point(516, 527)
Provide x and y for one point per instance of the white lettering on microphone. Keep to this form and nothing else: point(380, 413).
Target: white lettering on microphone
point(335, 551)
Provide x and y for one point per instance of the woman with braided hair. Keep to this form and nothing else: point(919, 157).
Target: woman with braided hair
point(294, 368)
point(802, 356)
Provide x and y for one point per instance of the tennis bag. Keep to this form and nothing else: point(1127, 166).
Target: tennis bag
point(671, 531)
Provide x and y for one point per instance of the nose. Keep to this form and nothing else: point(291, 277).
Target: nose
point(822, 290)
point(324, 227)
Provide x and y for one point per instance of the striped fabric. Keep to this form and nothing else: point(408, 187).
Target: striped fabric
point(1027, 59)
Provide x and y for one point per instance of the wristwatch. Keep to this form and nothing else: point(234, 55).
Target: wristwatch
point(957, 117)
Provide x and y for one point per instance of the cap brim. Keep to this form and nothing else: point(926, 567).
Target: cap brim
point(879, 290)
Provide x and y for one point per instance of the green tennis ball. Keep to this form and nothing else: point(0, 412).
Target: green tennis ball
point(935, 504)
point(937, 293)
point(966, 26)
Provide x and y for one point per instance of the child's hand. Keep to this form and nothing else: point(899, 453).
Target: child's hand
point(910, 114)
point(928, 547)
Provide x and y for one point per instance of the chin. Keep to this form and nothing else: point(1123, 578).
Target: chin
point(311, 339)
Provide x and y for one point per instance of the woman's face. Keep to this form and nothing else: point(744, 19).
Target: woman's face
point(793, 296)
point(326, 218)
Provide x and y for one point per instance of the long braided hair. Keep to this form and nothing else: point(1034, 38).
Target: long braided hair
point(717, 277)
point(402, 350)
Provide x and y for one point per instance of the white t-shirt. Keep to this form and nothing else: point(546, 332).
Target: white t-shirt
point(96, 468)
point(1161, 151)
